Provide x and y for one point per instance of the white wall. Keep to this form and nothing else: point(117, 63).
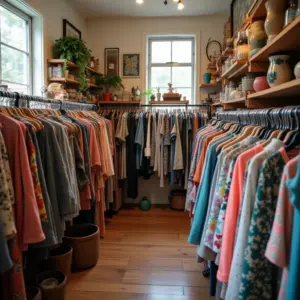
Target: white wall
point(130, 35)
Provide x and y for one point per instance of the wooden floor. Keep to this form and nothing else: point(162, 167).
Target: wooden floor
point(144, 256)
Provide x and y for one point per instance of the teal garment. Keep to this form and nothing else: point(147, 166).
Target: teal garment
point(293, 284)
point(139, 141)
point(202, 196)
point(258, 277)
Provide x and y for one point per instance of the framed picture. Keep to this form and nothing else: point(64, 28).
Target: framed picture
point(111, 59)
point(70, 30)
point(131, 65)
point(239, 10)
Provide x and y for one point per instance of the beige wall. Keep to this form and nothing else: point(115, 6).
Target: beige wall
point(130, 35)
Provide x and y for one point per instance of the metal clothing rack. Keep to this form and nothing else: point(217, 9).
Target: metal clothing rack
point(21, 100)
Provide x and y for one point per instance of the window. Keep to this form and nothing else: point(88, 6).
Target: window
point(171, 59)
point(15, 54)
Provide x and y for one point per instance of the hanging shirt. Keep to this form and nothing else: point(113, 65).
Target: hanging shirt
point(245, 217)
point(257, 276)
point(139, 140)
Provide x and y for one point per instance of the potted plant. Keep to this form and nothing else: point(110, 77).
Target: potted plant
point(109, 82)
point(149, 93)
point(75, 50)
point(158, 94)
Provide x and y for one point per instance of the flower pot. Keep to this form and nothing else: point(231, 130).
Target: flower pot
point(260, 84)
point(258, 37)
point(275, 17)
point(279, 70)
point(152, 98)
point(61, 259)
point(107, 96)
point(297, 70)
point(57, 290)
point(158, 96)
point(33, 293)
point(85, 241)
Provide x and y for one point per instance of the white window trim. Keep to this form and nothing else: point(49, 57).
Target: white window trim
point(171, 64)
point(37, 43)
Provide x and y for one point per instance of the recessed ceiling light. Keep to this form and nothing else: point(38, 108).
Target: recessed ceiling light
point(139, 1)
point(180, 5)
point(175, 0)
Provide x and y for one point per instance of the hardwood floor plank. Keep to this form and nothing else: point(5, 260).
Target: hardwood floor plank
point(196, 291)
point(154, 264)
point(172, 297)
point(104, 296)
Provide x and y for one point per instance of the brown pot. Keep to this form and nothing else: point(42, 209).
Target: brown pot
point(33, 293)
point(57, 292)
point(61, 259)
point(85, 241)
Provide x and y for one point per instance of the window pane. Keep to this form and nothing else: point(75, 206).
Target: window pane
point(22, 89)
point(161, 52)
point(182, 51)
point(13, 29)
point(14, 65)
point(182, 76)
point(185, 93)
point(160, 76)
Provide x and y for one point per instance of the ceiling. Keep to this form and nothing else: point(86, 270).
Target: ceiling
point(150, 8)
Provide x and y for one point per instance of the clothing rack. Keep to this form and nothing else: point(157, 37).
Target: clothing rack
point(273, 118)
point(22, 100)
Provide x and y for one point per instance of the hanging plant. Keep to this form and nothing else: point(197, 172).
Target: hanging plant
point(75, 50)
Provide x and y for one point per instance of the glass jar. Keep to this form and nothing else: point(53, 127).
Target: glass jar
point(242, 46)
point(291, 12)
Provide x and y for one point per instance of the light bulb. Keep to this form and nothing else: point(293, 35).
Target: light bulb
point(139, 1)
point(180, 5)
point(175, 0)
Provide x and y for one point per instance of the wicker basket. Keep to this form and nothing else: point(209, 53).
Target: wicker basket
point(172, 97)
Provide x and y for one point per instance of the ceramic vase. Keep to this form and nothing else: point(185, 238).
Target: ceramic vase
point(297, 70)
point(279, 70)
point(158, 96)
point(275, 17)
point(260, 84)
point(258, 37)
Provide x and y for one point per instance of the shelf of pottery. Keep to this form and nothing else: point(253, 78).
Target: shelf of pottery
point(261, 63)
point(62, 74)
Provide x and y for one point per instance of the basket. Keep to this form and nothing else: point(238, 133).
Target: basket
point(172, 97)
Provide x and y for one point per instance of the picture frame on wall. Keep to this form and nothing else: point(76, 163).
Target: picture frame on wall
point(131, 65)
point(239, 10)
point(70, 30)
point(111, 59)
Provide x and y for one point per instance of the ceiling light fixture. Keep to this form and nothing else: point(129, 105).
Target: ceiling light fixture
point(175, 0)
point(180, 5)
point(139, 1)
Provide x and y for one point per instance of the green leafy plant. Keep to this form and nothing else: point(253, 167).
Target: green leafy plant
point(148, 93)
point(75, 50)
point(110, 82)
point(158, 90)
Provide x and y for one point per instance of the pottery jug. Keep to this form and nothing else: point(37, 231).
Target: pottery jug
point(258, 37)
point(279, 70)
point(260, 84)
point(297, 70)
point(275, 17)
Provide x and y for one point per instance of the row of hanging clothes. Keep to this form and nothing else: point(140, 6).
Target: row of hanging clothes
point(54, 167)
point(243, 197)
point(150, 140)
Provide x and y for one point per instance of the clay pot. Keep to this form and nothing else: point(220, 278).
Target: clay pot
point(258, 37)
point(33, 293)
point(61, 259)
point(107, 96)
point(275, 17)
point(297, 70)
point(260, 84)
point(279, 70)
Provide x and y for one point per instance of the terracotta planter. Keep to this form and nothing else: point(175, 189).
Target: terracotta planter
point(279, 70)
point(107, 96)
point(85, 241)
point(33, 293)
point(56, 292)
point(260, 84)
point(275, 17)
point(61, 259)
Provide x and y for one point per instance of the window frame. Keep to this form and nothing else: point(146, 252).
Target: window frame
point(170, 38)
point(28, 19)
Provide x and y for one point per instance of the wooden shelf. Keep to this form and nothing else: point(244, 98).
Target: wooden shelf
point(289, 89)
point(257, 10)
point(70, 64)
point(183, 102)
point(240, 100)
point(62, 79)
point(234, 68)
point(95, 86)
point(286, 40)
point(217, 104)
point(119, 102)
point(210, 85)
point(240, 71)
